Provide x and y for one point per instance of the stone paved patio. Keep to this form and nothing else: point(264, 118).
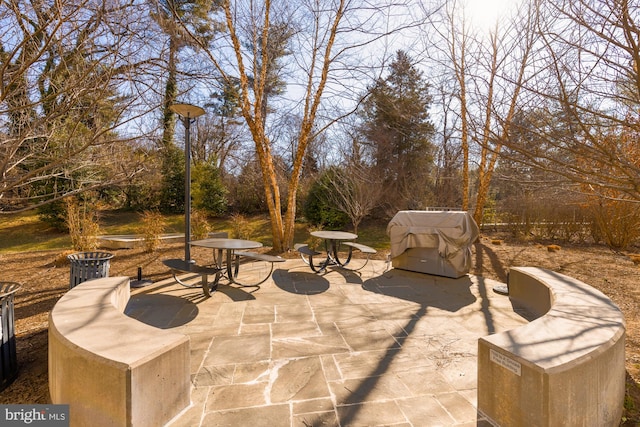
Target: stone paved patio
point(391, 348)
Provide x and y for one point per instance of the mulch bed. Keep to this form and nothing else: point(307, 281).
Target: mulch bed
point(44, 277)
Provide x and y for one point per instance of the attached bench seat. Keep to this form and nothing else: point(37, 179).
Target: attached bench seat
point(259, 256)
point(567, 367)
point(303, 248)
point(182, 266)
point(190, 267)
point(111, 369)
point(359, 246)
point(206, 271)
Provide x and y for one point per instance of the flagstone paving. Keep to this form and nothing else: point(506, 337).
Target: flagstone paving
point(377, 347)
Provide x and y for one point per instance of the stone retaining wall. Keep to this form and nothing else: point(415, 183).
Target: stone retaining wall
point(111, 369)
point(567, 367)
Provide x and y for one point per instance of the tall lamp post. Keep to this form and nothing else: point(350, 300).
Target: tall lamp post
point(188, 114)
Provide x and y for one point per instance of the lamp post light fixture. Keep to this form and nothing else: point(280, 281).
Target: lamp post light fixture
point(188, 114)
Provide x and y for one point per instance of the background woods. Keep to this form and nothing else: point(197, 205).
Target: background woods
point(531, 121)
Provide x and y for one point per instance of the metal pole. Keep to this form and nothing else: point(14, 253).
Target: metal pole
point(187, 190)
point(187, 113)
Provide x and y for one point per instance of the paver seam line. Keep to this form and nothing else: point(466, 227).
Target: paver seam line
point(204, 412)
point(332, 395)
point(337, 365)
point(446, 411)
point(289, 404)
point(240, 323)
point(271, 341)
point(393, 400)
point(204, 357)
point(193, 385)
point(351, 349)
point(435, 397)
point(313, 312)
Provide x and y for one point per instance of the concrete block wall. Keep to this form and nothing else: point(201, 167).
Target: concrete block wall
point(565, 367)
point(111, 369)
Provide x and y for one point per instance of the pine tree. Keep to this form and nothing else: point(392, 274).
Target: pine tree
point(398, 132)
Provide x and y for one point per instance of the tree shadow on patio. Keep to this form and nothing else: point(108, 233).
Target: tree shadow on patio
point(429, 292)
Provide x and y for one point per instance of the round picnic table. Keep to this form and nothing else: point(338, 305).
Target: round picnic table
point(229, 246)
point(332, 241)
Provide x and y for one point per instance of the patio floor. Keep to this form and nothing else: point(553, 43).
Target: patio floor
point(378, 347)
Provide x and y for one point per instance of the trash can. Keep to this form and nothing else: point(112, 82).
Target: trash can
point(8, 357)
point(88, 265)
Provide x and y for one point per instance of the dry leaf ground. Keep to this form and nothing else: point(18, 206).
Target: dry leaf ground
point(45, 278)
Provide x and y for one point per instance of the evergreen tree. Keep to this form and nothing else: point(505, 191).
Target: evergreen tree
point(398, 132)
point(173, 170)
point(186, 23)
point(209, 194)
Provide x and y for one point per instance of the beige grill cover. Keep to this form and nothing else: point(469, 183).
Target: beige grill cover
point(449, 235)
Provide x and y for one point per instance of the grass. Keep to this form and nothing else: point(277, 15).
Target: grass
point(25, 232)
point(128, 222)
point(374, 234)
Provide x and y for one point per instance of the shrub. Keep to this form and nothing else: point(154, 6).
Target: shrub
point(242, 228)
point(83, 225)
point(200, 226)
point(153, 225)
point(55, 215)
point(617, 221)
point(319, 210)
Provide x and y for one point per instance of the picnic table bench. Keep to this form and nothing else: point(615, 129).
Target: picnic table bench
point(260, 257)
point(333, 239)
point(180, 265)
point(230, 270)
point(362, 248)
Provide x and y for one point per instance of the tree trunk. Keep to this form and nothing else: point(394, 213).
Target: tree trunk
point(170, 93)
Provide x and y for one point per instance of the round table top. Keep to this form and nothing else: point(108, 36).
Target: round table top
point(226, 244)
point(334, 235)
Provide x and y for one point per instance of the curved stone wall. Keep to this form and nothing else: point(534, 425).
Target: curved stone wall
point(111, 369)
point(566, 367)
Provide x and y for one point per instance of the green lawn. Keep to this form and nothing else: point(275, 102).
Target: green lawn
point(24, 232)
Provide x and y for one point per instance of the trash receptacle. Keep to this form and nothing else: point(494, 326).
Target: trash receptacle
point(88, 265)
point(8, 356)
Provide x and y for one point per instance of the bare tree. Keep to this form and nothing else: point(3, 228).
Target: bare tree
point(456, 35)
point(219, 140)
point(324, 40)
point(489, 89)
point(591, 90)
point(61, 65)
point(449, 155)
point(354, 190)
